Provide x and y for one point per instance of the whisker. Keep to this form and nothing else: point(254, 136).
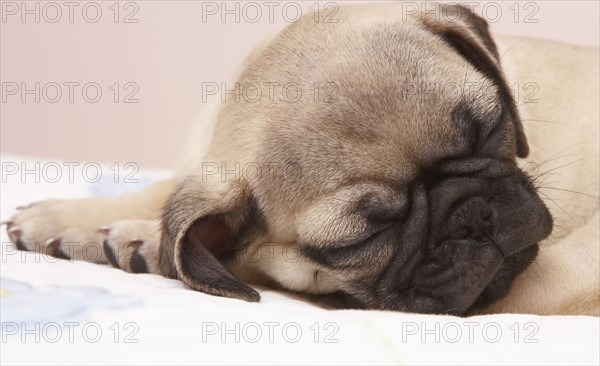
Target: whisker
point(558, 222)
point(557, 205)
point(570, 191)
point(451, 309)
point(546, 178)
point(559, 167)
point(556, 156)
point(410, 290)
point(543, 121)
point(551, 241)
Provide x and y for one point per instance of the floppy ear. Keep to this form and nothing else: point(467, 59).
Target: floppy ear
point(469, 35)
point(200, 231)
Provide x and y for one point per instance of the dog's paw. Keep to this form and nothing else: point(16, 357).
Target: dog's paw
point(132, 245)
point(61, 228)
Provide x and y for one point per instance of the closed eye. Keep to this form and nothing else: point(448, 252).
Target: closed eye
point(350, 254)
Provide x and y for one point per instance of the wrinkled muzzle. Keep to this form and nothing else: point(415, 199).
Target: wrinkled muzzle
point(469, 228)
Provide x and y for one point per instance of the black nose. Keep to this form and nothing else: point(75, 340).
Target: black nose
point(471, 219)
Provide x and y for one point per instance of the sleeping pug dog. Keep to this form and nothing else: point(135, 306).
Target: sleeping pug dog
point(399, 187)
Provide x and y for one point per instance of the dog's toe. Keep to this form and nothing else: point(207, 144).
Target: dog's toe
point(132, 245)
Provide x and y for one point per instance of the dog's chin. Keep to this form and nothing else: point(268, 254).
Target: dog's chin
point(504, 277)
point(462, 279)
point(493, 290)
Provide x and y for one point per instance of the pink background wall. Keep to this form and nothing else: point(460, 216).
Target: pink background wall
point(165, 50)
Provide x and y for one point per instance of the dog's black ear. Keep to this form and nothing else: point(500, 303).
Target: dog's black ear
point(469, 35)
point(200, 237)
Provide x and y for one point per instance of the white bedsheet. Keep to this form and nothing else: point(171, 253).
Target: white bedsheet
point(70, 312)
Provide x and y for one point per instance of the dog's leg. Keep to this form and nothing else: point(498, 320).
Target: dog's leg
point(79, 229)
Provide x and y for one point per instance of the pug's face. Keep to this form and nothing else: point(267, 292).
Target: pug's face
point(402, 191)
point(454, 238)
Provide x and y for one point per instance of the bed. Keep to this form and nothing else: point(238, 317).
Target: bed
point(71, 312)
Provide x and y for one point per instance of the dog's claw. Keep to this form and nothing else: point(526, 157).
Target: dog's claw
point(6, 222)
point(52, 246)
point(52, 242)
point(16, 232)
point(138, 263)
point(135, 243)
point(22, 207)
